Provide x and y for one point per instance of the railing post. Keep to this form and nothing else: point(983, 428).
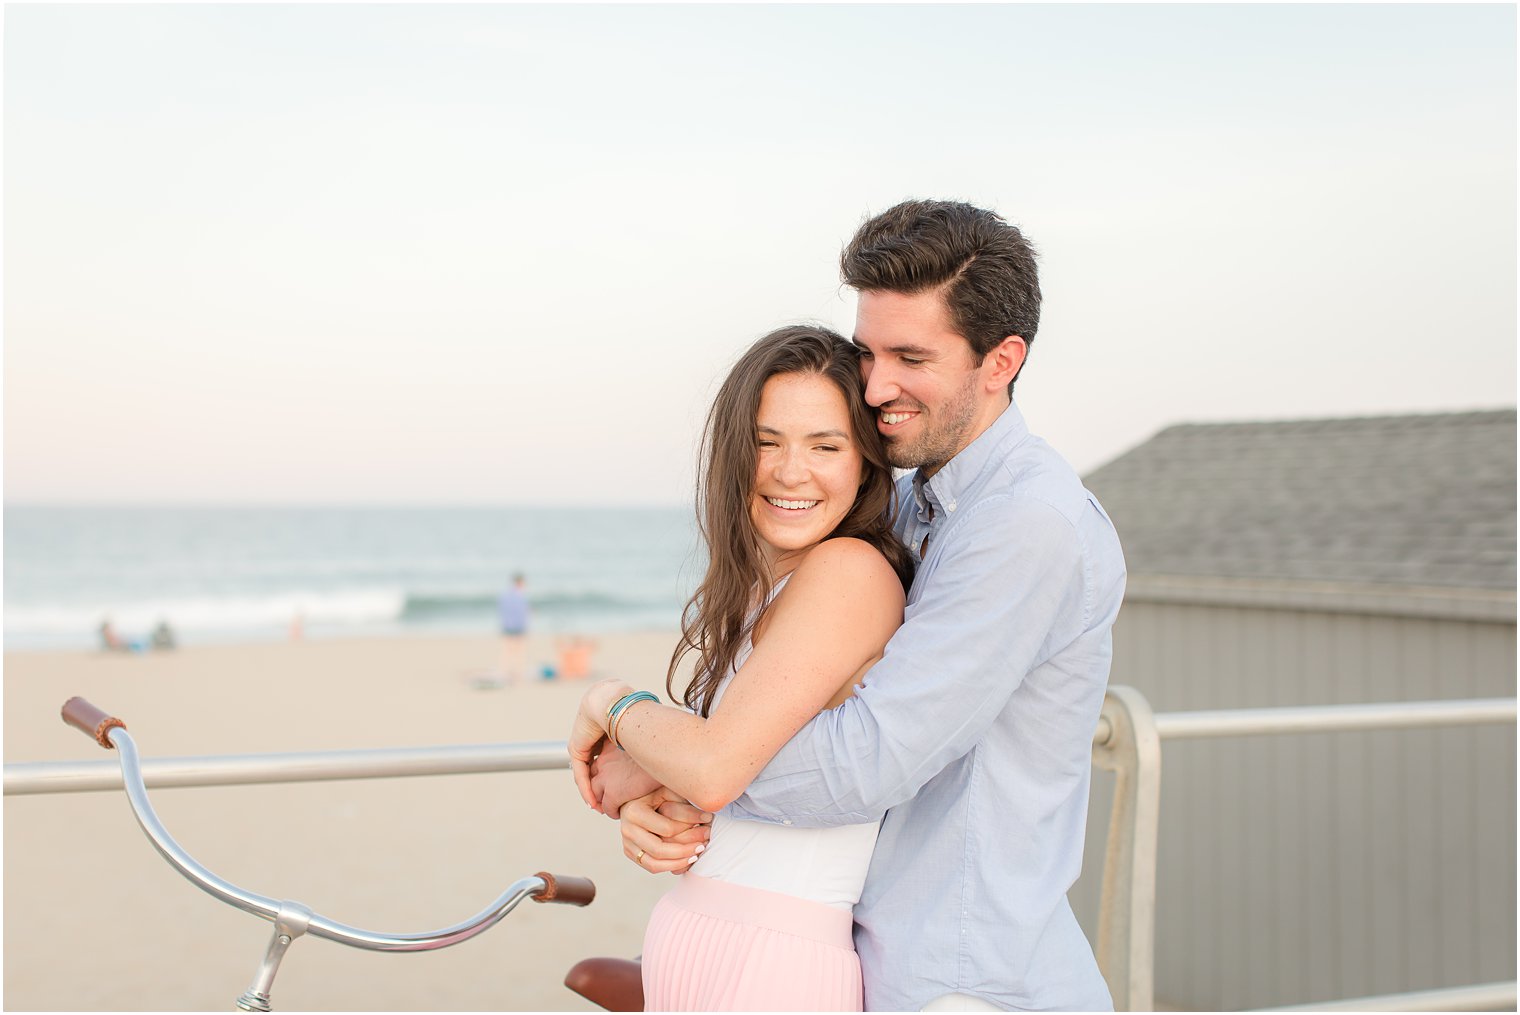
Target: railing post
point(1127, 910)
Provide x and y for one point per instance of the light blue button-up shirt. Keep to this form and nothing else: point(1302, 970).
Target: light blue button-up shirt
point(973, 734)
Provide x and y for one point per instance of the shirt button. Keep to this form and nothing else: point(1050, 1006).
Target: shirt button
point(786, 821)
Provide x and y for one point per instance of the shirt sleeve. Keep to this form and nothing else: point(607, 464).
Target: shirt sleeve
point(1007, 594)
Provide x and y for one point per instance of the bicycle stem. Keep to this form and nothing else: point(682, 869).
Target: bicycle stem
point(290, 923)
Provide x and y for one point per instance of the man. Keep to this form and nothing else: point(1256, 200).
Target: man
point(512, 611)
point(973, 733)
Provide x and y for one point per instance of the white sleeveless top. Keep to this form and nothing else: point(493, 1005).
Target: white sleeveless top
point(826, 865)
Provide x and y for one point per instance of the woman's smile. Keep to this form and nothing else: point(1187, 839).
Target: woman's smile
point(790, 505)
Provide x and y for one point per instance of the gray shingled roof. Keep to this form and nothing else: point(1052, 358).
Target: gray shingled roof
point(1410, 500)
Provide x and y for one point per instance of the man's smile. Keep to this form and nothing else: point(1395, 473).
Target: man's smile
point(888, 420)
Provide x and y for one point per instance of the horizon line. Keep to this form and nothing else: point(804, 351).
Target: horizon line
point(337, 505)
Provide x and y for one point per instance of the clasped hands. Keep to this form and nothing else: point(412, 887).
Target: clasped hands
point(661, 831)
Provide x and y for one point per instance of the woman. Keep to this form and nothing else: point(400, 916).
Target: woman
point(805, 584)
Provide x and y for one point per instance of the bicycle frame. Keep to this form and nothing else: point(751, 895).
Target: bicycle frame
point(293, 919)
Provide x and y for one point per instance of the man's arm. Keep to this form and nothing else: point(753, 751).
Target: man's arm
point(616, 779)
point(1006, 596)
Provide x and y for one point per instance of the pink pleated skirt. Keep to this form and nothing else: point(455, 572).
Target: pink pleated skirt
point(716, 946)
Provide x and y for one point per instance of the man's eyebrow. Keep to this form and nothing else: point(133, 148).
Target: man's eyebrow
point(903, 349)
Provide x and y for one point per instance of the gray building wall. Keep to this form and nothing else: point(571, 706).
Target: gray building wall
point(1321, 866)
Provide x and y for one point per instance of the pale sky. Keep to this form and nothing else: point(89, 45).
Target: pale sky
point(483, 254)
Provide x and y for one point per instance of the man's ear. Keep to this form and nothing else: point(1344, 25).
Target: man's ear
point(1003, 362)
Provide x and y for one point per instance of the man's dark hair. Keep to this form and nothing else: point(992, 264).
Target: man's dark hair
point(982, 266)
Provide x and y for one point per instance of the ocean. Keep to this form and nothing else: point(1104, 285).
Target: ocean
point(229, 574)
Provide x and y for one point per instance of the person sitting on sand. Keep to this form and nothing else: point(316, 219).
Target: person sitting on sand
point(805, 584)
point(163, 636)
point(110, 641)
point(575, 657)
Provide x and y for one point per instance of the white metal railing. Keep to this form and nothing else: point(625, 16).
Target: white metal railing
point(1126, 742)
point(1334, 718)
point(1479, 997)
point(1127, 907)
point(307, 766)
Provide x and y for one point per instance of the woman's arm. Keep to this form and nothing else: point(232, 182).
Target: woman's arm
point(839, 608)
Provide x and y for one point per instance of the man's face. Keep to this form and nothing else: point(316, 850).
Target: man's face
point(921, 379)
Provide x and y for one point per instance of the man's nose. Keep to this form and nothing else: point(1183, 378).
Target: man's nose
point(881, 388)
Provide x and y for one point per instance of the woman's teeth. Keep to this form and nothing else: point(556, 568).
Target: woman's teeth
point(791, 505)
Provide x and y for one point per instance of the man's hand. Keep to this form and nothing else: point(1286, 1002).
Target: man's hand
point(664, 833)
point(616, 779)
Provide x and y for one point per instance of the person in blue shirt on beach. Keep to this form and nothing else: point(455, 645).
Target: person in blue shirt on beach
point(512, 611)
point(973, 733)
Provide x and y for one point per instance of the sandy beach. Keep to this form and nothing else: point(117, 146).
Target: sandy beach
point(95, 920)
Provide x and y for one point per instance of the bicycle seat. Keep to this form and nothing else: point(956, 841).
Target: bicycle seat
point(614, 984)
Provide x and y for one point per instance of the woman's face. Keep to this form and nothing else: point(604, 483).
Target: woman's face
point(809, 467)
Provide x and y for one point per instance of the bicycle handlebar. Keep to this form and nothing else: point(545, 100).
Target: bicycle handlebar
point(91, 721)
point(111, 732)
point(563, 888)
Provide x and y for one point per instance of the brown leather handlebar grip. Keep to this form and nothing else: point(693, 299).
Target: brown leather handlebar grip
point(92, 721)
point(562, 888)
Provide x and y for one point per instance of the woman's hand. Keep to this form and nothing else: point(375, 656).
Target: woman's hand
point(663, 833)
point(588, 732)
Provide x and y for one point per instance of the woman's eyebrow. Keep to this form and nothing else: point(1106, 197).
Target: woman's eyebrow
point(815, 435)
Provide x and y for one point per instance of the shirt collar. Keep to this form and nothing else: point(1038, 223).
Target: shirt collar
point(943, 491)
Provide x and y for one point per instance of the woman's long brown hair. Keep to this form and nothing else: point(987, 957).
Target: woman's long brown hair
point(717, 617)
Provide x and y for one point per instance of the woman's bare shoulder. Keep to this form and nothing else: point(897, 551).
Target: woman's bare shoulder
point(847, 564)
